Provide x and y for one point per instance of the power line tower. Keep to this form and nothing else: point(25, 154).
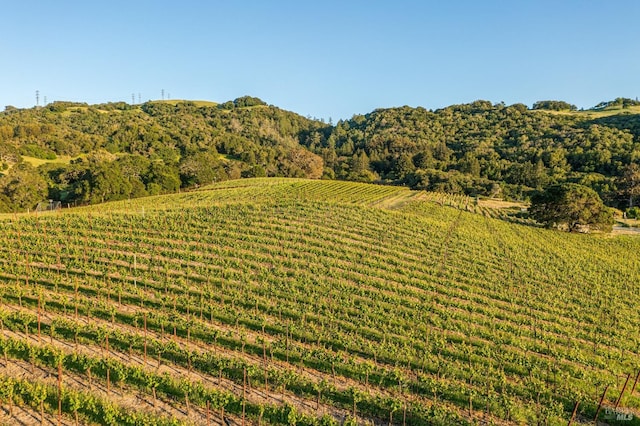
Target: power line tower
point(163, 94)
point(133, 99)
point(37, 97)
point(139, 98)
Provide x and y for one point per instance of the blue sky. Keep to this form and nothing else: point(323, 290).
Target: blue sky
point(321, 58)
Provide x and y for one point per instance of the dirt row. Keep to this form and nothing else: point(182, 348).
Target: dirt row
point(259, 396)
point(125, 397)
point(24, 415)
point(253, 395)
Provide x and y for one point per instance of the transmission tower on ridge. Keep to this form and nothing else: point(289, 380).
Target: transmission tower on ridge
point(37, 97)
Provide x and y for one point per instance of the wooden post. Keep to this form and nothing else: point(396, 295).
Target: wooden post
point(595, 419)
point(623, 389)
point(635, 382)
point(404, 415)
point(39, 317)
point(75, 299)
point(106, 343)
point(59, 393)
point(244, 393)
point(266, 383)
point(145, 338)
point(573, 415)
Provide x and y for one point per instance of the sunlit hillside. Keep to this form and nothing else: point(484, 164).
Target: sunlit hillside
point(307, 302)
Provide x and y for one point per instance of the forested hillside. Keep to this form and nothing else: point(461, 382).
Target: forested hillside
point(78, 153)
point(115, 151)
point(486, 149)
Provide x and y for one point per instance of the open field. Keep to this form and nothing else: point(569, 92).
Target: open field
point(180, 101)
point(35, 162)
point(285, 301)
point(592, 114)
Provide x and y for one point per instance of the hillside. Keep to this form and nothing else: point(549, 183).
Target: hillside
point(95, 153)
point(305, 302)
point(486, 149)
point(86, 154)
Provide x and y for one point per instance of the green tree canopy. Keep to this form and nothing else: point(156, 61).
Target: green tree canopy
point(554, 106)
point(629, 183)
point(199, 168)
point(572, 207)
point(22, 188)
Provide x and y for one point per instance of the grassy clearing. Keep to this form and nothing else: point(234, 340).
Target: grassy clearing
point(592, 114)
point(35, 162)
point(181, 101)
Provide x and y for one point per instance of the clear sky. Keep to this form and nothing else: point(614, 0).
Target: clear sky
point(331, 58)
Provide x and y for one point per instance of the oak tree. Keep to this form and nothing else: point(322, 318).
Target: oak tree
point(572, 207)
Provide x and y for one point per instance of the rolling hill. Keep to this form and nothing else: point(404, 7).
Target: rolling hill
point(305, 302)
point(77, 153)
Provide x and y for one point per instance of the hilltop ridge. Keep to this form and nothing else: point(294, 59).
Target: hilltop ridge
point(95, 153)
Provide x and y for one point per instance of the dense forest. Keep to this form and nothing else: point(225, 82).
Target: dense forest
point(79, 153)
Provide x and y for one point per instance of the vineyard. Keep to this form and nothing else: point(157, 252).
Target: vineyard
point(299, 302)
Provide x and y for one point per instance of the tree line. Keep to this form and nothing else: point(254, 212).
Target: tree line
point(119, 150)
point(487, 149)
